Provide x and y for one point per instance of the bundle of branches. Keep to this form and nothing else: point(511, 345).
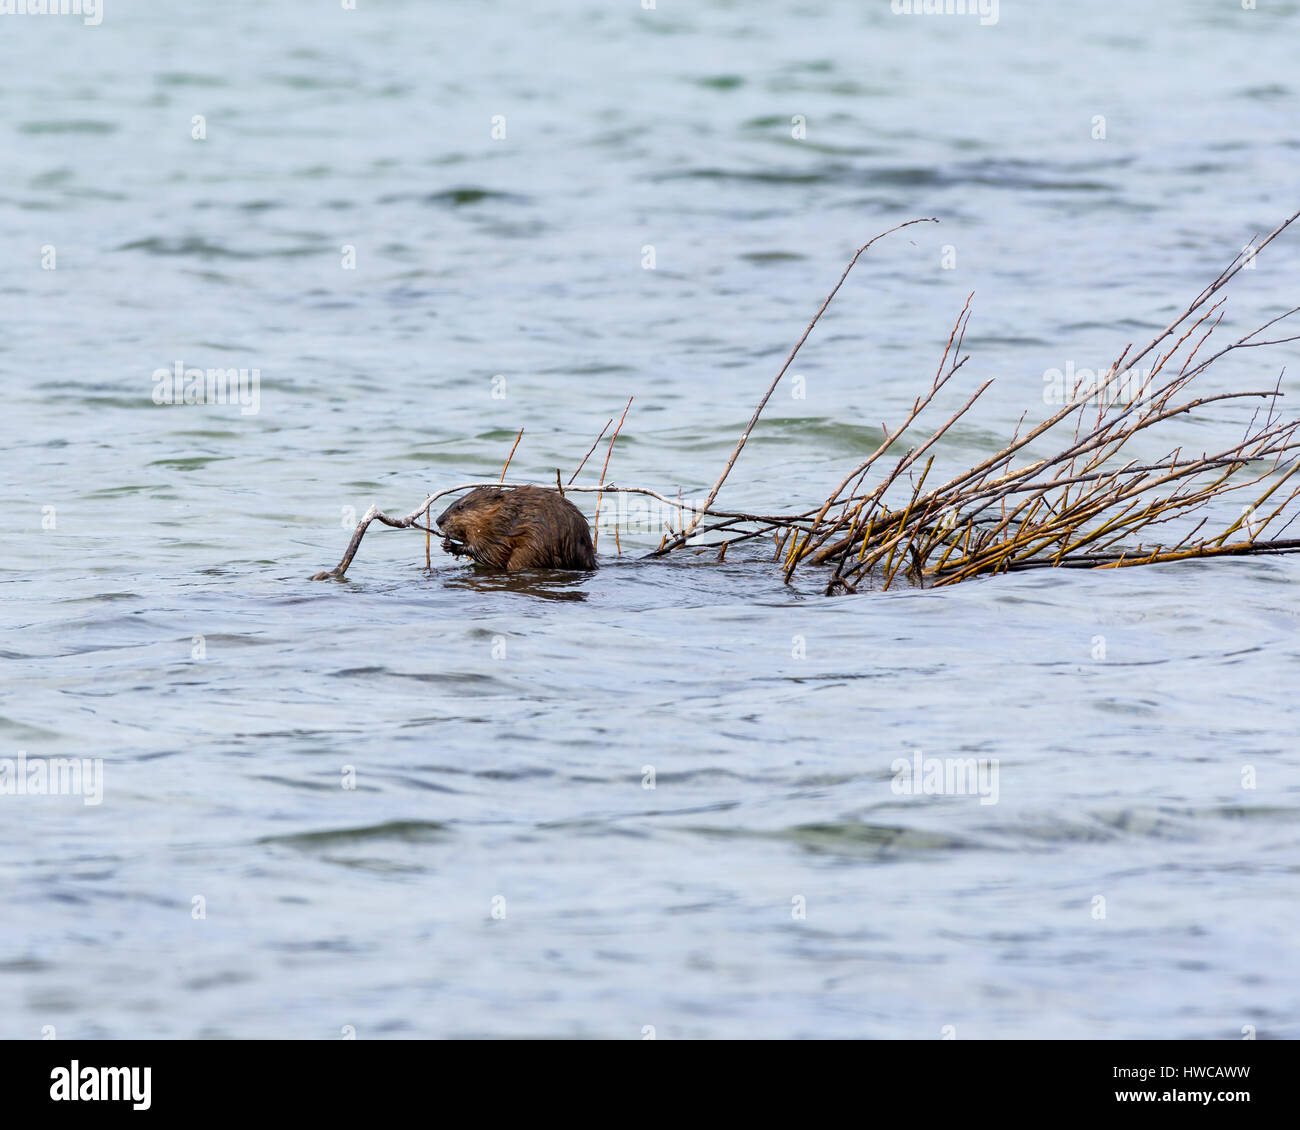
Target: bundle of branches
point(1088, 505)
point(1085, 506)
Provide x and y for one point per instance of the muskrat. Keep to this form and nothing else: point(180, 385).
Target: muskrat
point(518, 528)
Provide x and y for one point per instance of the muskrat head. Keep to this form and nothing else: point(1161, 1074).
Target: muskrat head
point(463, 522)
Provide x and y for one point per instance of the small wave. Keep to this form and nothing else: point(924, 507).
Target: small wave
point(81, 125)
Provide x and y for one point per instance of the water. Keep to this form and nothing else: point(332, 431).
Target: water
point(500, 867)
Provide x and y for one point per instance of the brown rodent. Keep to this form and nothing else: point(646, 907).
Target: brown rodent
point(518, 528)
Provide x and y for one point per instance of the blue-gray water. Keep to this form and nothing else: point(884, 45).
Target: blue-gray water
point(500, 867)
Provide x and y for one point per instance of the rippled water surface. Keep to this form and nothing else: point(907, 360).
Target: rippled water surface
point(501, 867)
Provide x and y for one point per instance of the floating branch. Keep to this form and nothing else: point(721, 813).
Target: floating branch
point(1089, 505)
point(411, 520)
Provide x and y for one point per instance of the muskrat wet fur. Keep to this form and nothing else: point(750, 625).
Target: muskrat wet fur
point(516, 528)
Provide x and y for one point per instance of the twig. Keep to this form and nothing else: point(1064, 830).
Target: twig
point(509, 457)
point(589, 451)
point(685, 534)
point(609, 451)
